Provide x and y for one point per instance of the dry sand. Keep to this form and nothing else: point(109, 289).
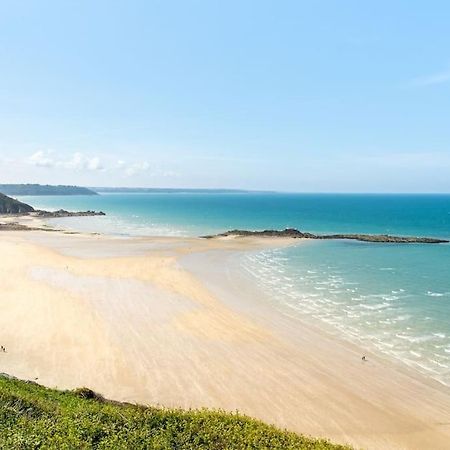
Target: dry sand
point(169, 321)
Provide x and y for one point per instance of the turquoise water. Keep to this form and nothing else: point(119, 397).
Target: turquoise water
point(394, 299)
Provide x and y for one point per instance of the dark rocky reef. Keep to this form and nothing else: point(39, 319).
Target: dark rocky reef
point(14, 226)
point(386, 238)
point(10, 205)
point(296, 234)
point(64, 213)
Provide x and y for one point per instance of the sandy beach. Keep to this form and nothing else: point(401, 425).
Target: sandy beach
point(172, 322)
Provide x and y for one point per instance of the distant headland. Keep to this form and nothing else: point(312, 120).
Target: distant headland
point(40, 189)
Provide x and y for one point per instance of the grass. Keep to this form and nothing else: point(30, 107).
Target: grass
point(34, 417)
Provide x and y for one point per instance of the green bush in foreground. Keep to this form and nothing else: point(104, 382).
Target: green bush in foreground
point(33, 417)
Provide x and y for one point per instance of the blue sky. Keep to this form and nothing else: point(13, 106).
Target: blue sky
point(340, 96)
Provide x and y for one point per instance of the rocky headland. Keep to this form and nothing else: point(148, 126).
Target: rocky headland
point(11, 208)
point(10, 205)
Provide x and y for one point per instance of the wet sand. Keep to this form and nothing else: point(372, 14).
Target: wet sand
point(172, 321)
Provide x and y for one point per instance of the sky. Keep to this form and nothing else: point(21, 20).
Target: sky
point(304, 96)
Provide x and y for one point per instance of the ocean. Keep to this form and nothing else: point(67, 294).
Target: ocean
point(392, 298)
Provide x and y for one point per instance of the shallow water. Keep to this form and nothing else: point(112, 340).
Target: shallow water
point(390, 298)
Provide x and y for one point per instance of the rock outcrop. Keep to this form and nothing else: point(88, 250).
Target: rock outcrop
point(64, 213)
point(10, 205)
point(14, 226)
point(296, 234)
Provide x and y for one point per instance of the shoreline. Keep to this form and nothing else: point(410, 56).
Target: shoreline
point(251, 242)
point(248, 283)
point(20, 222)
point(193, 335)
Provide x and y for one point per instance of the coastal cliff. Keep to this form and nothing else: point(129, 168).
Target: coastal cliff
point(9, 205)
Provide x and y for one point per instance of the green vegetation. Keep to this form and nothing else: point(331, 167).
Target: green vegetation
point(34, 417)
point(9, 205)
point(40, 189)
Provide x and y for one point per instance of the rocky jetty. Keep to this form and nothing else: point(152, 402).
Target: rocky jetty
point(10, 205)
point(296, 234)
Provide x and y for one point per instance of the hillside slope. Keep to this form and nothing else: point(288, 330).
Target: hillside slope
point(9, 205)
point(33, 417)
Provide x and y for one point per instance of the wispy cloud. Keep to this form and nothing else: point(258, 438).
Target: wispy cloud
point(41, 158)
point(49, 159)
point(429, 80)
point(78, 161)
point(135, 168)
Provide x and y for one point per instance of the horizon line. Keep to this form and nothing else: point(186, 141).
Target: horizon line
point(234, 189)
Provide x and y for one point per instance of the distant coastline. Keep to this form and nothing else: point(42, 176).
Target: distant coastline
point(40, 189)
point(140, 190)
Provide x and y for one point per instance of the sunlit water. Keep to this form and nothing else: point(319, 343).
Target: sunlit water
point(392, 298)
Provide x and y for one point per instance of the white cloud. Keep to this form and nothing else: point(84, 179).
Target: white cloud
point(81, 162)
point(95, 164)
point(41, 159)
point(78, 161)
point(429, 80)
point(135, 168)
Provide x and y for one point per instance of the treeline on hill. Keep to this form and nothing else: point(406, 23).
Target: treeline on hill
point(40, 189)
point(34, 417)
